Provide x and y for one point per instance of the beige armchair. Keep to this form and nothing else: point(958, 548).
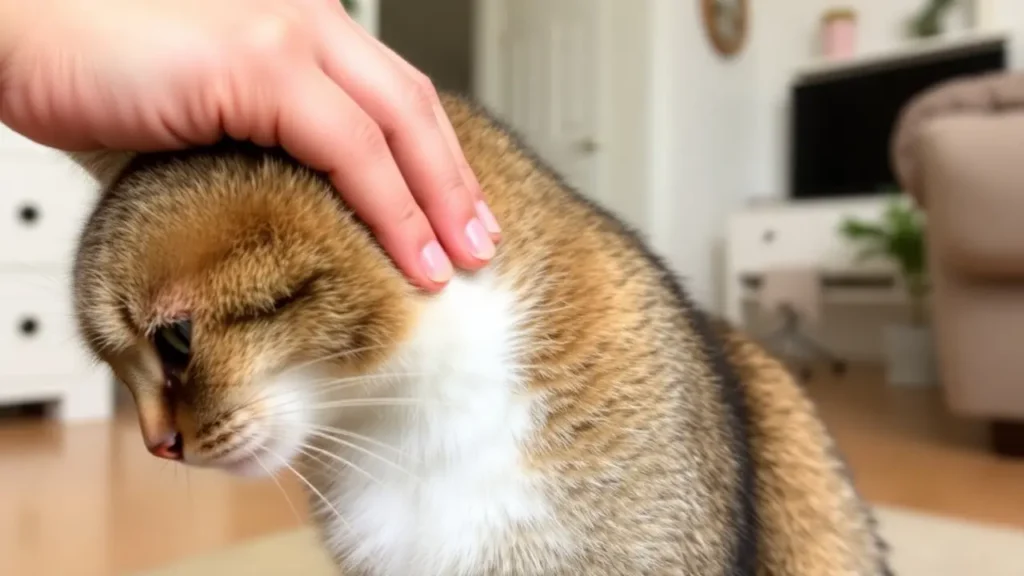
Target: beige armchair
point(959, 150)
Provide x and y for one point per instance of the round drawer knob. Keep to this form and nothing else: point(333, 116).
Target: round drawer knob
point(768, 236)
point(28, 327)
point(29, 214)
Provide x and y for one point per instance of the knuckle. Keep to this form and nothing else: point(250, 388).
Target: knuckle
point(368, 139)
point(268, 36)
point(425, 84)
point(408, 212)
point(452, 195)
point(420, 99)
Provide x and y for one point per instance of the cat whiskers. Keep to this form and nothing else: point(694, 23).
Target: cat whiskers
point(335, 435)
point(259, 394)
point(334, 385)
point(380, 402)
point(311, 487)
point(256, 457)
point(357, 436)
point(305, 448)
point(363, 450)
point(336, 356)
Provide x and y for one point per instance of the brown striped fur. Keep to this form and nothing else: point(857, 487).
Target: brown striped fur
point(670, 445)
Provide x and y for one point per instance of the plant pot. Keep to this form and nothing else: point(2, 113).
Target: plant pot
point(909, 355)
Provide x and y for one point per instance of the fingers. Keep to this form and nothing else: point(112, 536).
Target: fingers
point(324, 128)
point(443, 122)
point(407, 114)
point(482, 211)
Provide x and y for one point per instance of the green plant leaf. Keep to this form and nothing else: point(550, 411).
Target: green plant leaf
point(899, 236)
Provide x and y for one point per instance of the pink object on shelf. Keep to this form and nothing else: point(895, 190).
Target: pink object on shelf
point(839, 34)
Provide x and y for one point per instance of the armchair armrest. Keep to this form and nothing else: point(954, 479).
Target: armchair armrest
point(972, 170)
point(983, 95)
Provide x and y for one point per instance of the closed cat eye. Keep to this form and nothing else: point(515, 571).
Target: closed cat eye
point(174, 344)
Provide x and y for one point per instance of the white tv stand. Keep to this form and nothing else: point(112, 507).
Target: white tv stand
point(910, 50)
point(804, 233)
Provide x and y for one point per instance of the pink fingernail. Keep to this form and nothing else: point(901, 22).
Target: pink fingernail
point(436, 262)
point(479, 241)
point(485, 215)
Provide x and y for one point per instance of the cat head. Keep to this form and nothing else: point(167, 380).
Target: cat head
point(229, 289)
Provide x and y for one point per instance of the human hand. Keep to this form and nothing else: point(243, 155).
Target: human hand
point(165, 74)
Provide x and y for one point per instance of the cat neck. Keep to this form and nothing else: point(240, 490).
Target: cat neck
point(454, 484)
point(459, 375)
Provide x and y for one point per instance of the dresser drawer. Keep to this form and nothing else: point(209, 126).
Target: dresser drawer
point(37, 331)
point(44, 201)
point(796, 235)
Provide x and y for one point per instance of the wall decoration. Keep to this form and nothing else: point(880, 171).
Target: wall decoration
point(839, 33)
point(726, 23)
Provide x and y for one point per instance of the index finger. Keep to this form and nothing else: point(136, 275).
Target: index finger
point(404, 111)
point(324, 128)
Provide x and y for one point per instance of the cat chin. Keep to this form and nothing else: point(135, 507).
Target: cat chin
point(250, 468)
point(263, 463)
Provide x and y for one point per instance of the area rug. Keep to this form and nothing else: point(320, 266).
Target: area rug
point(922, 545)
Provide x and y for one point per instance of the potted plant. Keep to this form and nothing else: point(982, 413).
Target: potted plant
point(929, 21)
point(900, 238)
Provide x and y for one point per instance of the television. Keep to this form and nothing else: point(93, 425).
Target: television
point(842, 118)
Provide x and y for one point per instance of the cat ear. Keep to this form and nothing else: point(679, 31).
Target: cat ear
point(103, 165)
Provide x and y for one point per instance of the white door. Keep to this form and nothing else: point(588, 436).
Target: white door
point(551, 85)
point(366, 13)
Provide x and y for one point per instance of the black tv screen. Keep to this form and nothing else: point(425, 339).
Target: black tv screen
point(842, 121)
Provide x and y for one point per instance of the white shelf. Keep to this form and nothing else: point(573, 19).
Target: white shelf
point(912, 49)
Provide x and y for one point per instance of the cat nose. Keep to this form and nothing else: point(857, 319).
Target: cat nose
point(170, 448)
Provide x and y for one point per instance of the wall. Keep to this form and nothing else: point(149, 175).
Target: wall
point(1008, 14)
point(702, 114)
point(436, 37)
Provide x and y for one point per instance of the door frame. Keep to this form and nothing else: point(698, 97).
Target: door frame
point(489, 36)
point(629, 131)
point(368, 16)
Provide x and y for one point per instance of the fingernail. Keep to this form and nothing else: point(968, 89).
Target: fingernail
point(436, 262)
point(485, 215)
point(479, 241)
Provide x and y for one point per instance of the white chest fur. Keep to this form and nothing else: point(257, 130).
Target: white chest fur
point(463, 490)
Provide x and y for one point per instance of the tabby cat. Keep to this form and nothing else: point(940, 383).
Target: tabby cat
point(564, 411)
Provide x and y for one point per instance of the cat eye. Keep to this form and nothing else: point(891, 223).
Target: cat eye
point(288, 300)
point(174, 344)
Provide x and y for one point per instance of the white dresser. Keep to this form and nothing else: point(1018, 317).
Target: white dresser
point(44, 200)
point(803, 234)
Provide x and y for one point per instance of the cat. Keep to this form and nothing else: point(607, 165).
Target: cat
point(566, 410)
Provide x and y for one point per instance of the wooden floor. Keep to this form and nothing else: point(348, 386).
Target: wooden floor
point(88, 500)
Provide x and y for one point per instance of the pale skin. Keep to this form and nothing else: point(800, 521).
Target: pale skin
point(148, 75)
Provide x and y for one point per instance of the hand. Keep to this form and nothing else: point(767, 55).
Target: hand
point(164, 74)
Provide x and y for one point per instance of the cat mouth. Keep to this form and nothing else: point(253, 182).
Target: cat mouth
point(256, 458)
point(252, 462)
point(249, 466)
